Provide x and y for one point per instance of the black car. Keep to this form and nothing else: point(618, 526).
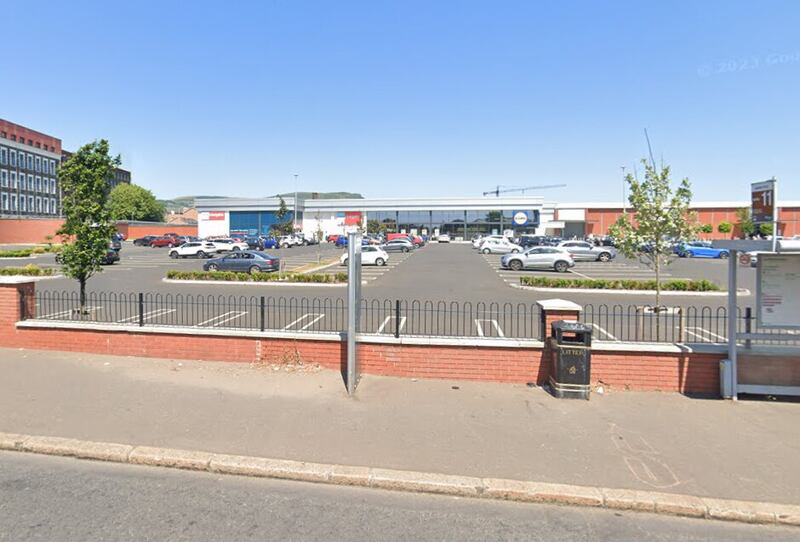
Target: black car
point(244, 261)
point(144, 241)
point(110, 257)
point(116, 244)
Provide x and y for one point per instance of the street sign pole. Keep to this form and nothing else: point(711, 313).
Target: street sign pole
point(353, 307)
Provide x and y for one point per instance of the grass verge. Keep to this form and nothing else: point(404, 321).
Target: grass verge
point(702, 285)
point(230, 276)
point(27, 271)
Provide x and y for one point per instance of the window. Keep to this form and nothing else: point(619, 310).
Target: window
point(38, 184)
point(38, 164)
point(14, 184)
point(3, 178)
point(5, 202)
point(53, 208)
point(23, 203)
point(52, 167)
point(46, 204)
point(31, 207)
point(13, 202)
point(38, 204)
point(14, 158)
point(30, 161)
point(52, 186)
point(3, 156)
point(30, 182)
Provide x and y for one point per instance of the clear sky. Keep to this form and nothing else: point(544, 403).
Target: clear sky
point(414, 97)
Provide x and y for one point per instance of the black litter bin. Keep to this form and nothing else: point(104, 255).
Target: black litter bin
point(572, 359)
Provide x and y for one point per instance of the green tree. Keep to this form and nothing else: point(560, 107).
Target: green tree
point(131, 202)
point(375, 226)
point(745, 221)
point(284, 225)
point(87, 227)
point(707, 228)
point(765, 229)
point(662, 216)
point(725, 227)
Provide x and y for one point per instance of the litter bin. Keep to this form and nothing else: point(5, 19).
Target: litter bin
point(572, 359)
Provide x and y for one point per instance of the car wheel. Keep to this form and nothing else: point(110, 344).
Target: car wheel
point(213, 267)
point(723, 255)
point(516, 265)
point(380, 261)
point(201, 254)
point(486, 251)
point(173, 255)
point(254, 269)
point(561, 267)
point(405, 249)
point(345, 261)
point(284, 245)
point(171, 245)
point(690, 254)
point(604, 257)
point(236, 249)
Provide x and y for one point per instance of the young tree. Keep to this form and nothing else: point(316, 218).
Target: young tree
point(662, 217)
point(745, 222)
point(131, 202)
point(284, 225)
point(87, 227)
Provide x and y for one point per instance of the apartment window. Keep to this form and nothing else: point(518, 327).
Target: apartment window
point(13, 202)
point(52, 186)
point(3, 156)
point(52, 167)
point(30, 183)
point(53, 206)
point(38, 184)
point(46, 204)
point(5, 202)
point(3, 178)
point(14, 184)
point(14, 158)
point(30, 161)
point(38, 205)
point(38, 162)
point(23, 204)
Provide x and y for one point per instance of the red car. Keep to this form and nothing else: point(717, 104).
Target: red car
point(165, 241)
point(332, 238)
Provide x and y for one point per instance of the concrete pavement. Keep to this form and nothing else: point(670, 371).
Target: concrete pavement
point(644, 441)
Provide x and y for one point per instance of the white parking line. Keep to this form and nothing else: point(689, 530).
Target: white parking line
point(317, 318)
point(703, 330)
point(604, 332)
point(388, 319)
point(222, 319)
point(68, 312)
point(494, 323)
point(147, 316)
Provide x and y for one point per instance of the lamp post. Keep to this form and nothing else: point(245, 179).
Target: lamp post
point(623, 189)
point(294, 215)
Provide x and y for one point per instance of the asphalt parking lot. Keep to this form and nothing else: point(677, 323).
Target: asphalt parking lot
point(428, 282)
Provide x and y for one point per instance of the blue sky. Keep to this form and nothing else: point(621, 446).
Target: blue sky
point(414, 97)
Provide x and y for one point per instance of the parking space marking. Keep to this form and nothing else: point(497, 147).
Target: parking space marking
point(222, 318)
point(389, 319)
point(68, 312)
point(317, 317)
point(497, 327)
point(703, 330)
point(604, 332)
point(148, 315)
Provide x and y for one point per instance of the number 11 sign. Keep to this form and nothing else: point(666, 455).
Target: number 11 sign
point(763, 202)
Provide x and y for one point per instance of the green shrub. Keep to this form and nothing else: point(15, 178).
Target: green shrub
point(725, 227)
point(231, 276)
point(707, 228)
point(28, 252)
point(27, 271)
point(675, 285)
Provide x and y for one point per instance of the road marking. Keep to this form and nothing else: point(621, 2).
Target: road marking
point(221, 317)
point(703, 330)
point(148, 315)
point(579, 274)
point(389, 318)
point(68, 312)
point(494, 323)
point(317, 318)
point(604, 332)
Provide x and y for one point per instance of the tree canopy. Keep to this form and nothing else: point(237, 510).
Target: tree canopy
point(131, 202)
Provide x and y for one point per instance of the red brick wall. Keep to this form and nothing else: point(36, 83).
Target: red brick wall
point(28, 230)
point(26, 135)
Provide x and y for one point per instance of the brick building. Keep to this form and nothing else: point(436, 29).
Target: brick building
point(28, 164)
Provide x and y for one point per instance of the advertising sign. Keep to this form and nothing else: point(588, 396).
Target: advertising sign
point(778, 290)
point(352, 218)
point(216, 215)
point(520, 218)
point(763, 202)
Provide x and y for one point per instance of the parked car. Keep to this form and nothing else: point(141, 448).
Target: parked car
point(499, 246)
point(229, 245)
point(476, 243)
point(582, 250)
point(289, 241)
point(116, 244)
point(443, 238)
point(200, 249)
point(144, 241)
point(332, 237)
point(244, 261)
point(540, 257)
point(398, 245)
point(341, 241)
point(689, 250)
point(109, 259)
point(160, 242)
point(370, 255)
point(680, 246)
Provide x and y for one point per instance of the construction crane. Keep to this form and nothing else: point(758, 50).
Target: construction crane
point(497, 191)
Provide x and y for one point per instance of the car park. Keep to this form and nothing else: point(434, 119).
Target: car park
point(582, 250)
point(540, 257)
point(229, 245)
point(289, 241)
point(398, 245)
point(110, 257)
point(499, 246)
point(244, 261)
point(198, 249)
point(370, 255)
point(689, 250)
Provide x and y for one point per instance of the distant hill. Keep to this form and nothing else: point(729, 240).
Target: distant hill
point(176, 204)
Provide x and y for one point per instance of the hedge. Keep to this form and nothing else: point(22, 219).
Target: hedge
point(27, 252)
point(702, 285)
point(27, 271)
point(231, 276)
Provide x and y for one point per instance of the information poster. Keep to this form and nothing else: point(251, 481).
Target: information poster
point(778, 290)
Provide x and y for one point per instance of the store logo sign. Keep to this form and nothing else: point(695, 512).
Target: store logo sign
point(520, 218)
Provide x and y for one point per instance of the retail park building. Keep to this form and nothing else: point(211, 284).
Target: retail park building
point(459, 217)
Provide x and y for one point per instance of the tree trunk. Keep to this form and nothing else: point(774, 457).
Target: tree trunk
point(657, 310)
point(82, 283)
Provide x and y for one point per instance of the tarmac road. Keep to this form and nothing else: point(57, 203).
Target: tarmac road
point(51, 498)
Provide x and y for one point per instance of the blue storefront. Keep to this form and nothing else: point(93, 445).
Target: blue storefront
point(255, 222)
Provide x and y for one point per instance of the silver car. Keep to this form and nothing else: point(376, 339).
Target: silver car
point(554, 258)
point(583, 251)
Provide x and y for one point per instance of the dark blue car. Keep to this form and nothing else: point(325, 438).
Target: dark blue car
point(341, 241)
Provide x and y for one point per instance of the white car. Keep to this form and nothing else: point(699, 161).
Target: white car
point(444, 238)
point(477, 243)
point(499, 246)
point(369, 256)
point(288, 241)
point(229, 245)
point(199, 249)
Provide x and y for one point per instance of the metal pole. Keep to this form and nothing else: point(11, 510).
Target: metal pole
point(353, 307)
point(774, 215)
point(262, 312)
point(397, 319)
point(141, 309)
point(623, 190)
point(732, 301)
point(294, 218)
point(748, 325)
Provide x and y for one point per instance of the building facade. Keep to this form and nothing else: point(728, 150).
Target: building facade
point(457, 217)
point(29, 161)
